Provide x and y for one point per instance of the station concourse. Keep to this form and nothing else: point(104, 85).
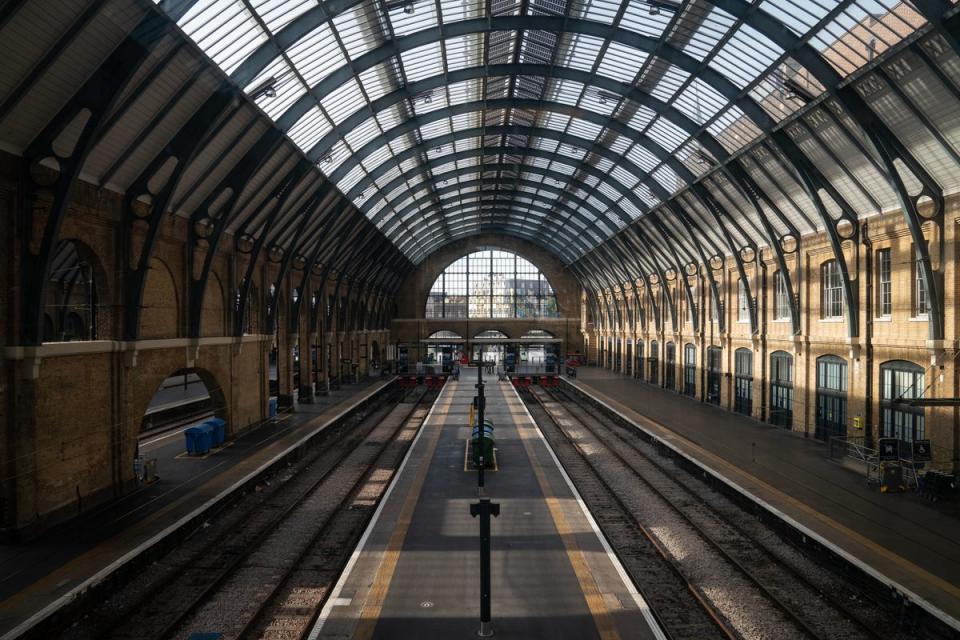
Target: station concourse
point(254, 254)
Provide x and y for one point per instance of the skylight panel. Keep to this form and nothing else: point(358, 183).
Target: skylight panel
point(746, 56)
point(700, 101)
point(357, 35)
point(624, 176)
point(454, 10)
point(438, 100)
point(671, 79)
point(465, 91)
point(799, 17)
point(276, 14)
point(714, 23)
point(467, 144)
point(225, 30)
point(640, 19)
point(585, 129)
point(610, 191)
point(464, 51)
point(282, 92)
point(643, 191)
point(337, 155)
point(628, 207)
point(351, 179)
point(423, 16)
point(669, 135)
point(621, 62)
point(602, 10)
point(376, 80)
point(435, 129)
point(668, 179)
point(564, 91)
point(733, 129)
point(642, 118)
point(309, 129)
point(317, 54)
point(343, 101)
point(581, 51)
point(389, 117)
point(379, 156)
point(388, 176)
point(422, 62)
point(363, 133)
point(642, 157)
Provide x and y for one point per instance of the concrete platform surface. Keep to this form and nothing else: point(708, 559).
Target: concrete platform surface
point(904, 539)
point(34, 575)
point(415, 573)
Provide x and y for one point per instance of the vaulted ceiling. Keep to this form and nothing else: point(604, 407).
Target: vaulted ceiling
point(632, 135)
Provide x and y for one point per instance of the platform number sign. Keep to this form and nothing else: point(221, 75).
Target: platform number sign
point(889, 449)
point(922, 451)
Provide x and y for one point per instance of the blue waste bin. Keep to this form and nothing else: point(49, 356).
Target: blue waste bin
point(198, 440)
point(218, 431)
point(273, 407)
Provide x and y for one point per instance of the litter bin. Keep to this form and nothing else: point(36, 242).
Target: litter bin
point(198, 440)
point(218, 431)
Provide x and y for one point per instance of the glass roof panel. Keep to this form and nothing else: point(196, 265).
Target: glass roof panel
point(286, 86)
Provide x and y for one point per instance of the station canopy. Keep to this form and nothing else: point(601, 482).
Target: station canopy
point(630, 138)
point(565, 121)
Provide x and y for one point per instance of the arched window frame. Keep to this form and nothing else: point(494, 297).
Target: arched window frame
point(454, 294)
point(831, 291)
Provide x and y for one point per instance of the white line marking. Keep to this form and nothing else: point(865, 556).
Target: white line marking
point(101, 575)
point(638, 598)
point(338, 588)
point(869, 570)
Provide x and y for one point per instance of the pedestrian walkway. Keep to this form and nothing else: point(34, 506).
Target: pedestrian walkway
point(416, 572)
point(898, 535)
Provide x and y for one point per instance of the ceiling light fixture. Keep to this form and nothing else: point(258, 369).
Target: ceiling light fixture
point(266, 89)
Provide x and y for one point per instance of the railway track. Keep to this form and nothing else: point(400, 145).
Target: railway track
point(255, 564)
point(748, 588)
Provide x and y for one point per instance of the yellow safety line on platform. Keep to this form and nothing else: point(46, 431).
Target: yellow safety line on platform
point(588, 585)
point(920, 572)
point(391, 555)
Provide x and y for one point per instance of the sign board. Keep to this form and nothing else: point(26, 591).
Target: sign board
point(858, 422)
point(889, 448)
point(922, 451)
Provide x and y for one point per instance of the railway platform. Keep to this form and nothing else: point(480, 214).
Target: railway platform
point(415, 573)
point(898, 539)
point(37, 577)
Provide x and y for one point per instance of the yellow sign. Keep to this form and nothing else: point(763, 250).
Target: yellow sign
point(858, 422)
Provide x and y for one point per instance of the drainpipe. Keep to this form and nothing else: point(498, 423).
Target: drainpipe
point(868, 338)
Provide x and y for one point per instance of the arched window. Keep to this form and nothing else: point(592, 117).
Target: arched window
point(781, 389)
point(781, 298)
point(655, 362)
point(714, 373)
point(536, 334)
point(72, 305)
point(743, 302)
point(491, 283)
point(831, 398)
point(690, 369)
point(491, 334)
point(900, 382)
point(743, 387)
point(444, 335)
point(670, 370)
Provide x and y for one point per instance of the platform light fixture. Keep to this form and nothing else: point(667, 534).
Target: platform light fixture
point(266, 89)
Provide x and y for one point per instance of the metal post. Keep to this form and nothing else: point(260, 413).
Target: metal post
point(484, 508)
point(481, 405)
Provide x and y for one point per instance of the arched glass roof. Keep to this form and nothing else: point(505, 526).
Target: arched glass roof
point(556, 119)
